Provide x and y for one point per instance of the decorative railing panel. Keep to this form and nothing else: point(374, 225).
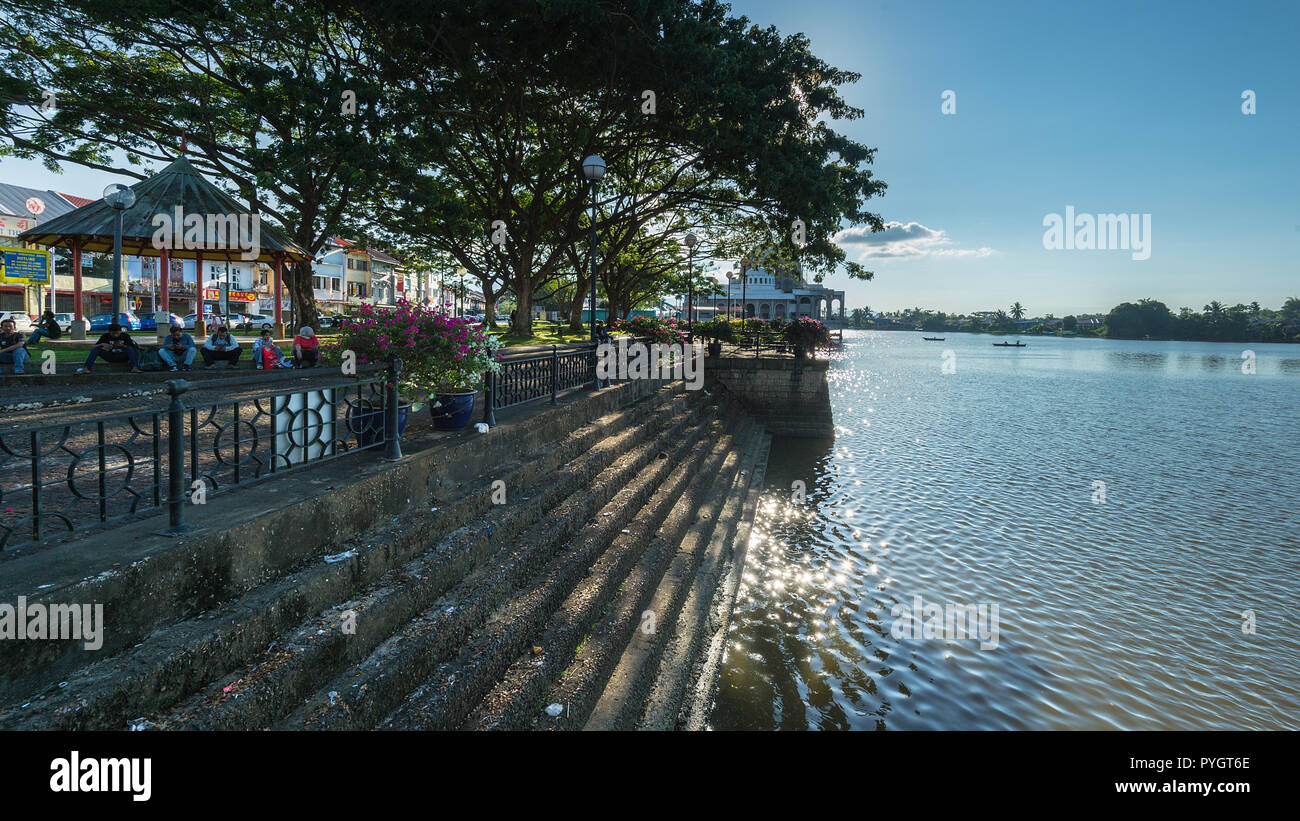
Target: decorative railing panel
point(64, 478)
point(55, 477)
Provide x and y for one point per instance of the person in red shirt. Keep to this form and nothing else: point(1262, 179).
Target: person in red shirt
point(305, 348)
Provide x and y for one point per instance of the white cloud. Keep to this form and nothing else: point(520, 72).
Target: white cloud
point(901, 241)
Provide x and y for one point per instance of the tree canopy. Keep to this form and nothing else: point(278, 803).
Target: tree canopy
point(467, 127)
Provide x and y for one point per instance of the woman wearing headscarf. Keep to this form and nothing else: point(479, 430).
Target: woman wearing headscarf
point(305, 346)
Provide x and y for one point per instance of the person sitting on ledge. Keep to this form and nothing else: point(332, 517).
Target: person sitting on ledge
point(114, 346)
point(221, 347)
point(266, 355)
point(47, 326)
point(305, 348)
point(178, 351)
point(12, 350)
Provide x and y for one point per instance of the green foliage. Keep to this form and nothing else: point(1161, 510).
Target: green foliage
point(807, 333)
point(665, 331)
point(718, 329)
point(438, 352)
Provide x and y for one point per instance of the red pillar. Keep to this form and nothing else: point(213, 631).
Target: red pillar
point(275, 291)
point(77, 317)
point(164, 274)
point(200, 327)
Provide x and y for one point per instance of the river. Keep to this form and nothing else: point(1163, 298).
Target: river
point(1130, 508)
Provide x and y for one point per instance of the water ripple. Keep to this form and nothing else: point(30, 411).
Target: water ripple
point(1122, 503)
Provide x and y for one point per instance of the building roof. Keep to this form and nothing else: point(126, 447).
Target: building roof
point(179, 185)
point(382, 257)
point(13, 200)
point(75, 200)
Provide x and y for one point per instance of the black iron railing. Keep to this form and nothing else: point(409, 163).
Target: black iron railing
point(68, 477)
point(528, 377)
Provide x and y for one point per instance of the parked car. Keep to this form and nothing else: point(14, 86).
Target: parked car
point(22, 322)
point(209, 320)
point(128, 320)
point(149, 322)
point(65, 322)
point(256, 322)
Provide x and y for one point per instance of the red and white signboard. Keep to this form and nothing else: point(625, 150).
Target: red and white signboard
point(35, 206)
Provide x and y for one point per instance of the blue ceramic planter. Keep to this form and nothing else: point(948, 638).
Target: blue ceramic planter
point(367, 424)
point(452, 411)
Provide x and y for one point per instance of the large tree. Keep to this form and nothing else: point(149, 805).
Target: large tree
point(524, 90)
point(277, 101)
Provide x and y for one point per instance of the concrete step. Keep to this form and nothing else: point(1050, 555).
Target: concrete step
point(633, 614)
point(457, 681)
point(610, 592)
point(177, 660)
point(676, 667)
point(316, 651)
point(697, 703)
point(146, 582)
point(618, 699)
point(309, 656)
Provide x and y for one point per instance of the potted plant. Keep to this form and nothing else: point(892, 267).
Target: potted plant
point(806, 334)
point(462, 353)
point(438, 353)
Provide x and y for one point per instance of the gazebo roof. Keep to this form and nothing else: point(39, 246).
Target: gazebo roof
point(179, 184)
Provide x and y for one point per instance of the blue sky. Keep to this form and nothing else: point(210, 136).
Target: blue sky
point(1109, 107)
point(1112, 107)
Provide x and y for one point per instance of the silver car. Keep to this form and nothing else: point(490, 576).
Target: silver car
point(22, 322)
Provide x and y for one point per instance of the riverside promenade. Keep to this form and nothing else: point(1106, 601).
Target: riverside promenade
point(574, 567)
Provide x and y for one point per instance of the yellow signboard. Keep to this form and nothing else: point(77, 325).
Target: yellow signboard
point(24, 266)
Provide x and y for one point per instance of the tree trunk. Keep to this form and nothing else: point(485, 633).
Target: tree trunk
point(489, 305)
point(523, 322)
point(575, 307)
point(301, 297)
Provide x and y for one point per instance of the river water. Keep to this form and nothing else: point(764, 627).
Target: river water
point(1131, 508)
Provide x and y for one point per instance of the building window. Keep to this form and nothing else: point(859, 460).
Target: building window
point(358, 264)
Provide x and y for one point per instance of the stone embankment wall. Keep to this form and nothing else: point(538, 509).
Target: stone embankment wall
point(789, 397)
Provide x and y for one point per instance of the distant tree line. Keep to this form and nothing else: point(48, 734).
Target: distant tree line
point(1128, 320)
point(1215, 323)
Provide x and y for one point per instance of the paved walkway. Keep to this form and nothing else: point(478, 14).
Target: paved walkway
point(38, 400)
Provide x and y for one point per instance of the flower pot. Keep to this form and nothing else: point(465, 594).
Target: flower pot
point(800, 352)
point(366, 422)
point(452, 411)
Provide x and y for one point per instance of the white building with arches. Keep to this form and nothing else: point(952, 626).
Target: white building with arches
point(765, 295)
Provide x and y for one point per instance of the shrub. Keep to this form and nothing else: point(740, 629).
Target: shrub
point(719, 329)
point(807, 333)
point(658, 330)
point(439, 352)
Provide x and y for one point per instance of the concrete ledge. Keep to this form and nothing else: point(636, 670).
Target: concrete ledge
point(790, 397)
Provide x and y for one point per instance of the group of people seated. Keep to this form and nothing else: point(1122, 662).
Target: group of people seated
point(177, 352)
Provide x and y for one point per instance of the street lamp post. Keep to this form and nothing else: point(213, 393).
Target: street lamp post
point(458, 302)
point(691, 242)
point(119, 198)
point(593, 168)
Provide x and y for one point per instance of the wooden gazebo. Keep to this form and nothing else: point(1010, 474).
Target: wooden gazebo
point(176, 190)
